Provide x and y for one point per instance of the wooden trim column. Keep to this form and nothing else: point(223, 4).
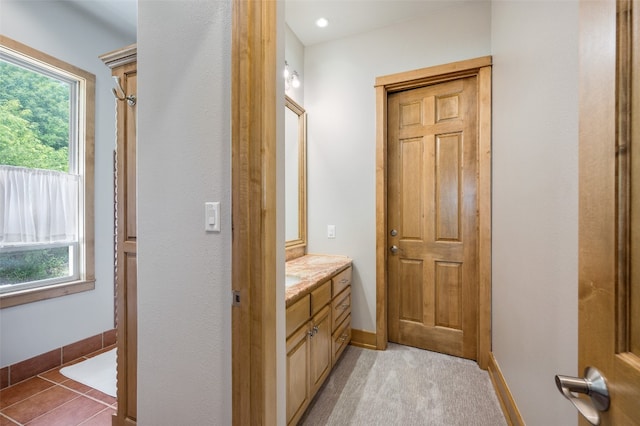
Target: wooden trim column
point(253, 212)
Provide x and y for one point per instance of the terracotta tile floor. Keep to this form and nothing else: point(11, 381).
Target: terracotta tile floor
point(51, 399)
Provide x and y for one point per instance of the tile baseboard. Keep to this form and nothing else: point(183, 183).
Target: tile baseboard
point(23, 370)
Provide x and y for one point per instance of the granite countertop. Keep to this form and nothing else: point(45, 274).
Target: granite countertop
point(312, 270)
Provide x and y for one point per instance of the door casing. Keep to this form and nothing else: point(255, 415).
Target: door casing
point(254, 103)
point(480, 67)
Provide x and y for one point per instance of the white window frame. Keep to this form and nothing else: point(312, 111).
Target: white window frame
point(85, 278)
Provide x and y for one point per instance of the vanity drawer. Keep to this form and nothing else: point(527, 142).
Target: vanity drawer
point(340, 339)
point(298, 314)
point(320, 297)
point(341, 307)
point(341, 281)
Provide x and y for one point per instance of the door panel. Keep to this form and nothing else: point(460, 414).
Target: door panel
point(411, 292)
point(447, 179)
point(449, 295)
point(412, 169)
point(432, 203)
point(609, 210)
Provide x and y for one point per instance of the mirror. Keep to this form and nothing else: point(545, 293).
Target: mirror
point(295, 171)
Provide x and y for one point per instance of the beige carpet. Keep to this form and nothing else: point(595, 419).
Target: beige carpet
point(405, 386)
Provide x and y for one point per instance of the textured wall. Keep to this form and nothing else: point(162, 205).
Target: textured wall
point(535, 202)
point(184, 153)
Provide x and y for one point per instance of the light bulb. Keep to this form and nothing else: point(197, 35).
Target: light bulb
point(295, 81)
point(286, 70)
point(322, 22)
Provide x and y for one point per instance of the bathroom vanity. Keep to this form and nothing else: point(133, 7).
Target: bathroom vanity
point(318, 324)
point(318, 287)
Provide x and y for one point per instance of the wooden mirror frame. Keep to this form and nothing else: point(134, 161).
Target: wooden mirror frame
point(297, 247)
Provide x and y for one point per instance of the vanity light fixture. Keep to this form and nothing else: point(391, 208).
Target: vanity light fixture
point(291, 78)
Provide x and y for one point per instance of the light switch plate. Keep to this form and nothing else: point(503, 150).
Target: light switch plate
point(212, 216)
point(331, 231)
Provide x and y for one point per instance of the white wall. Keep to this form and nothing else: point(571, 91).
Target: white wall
point(59, 30)
point(340, 100)
point(535, 208)
point(184, 155)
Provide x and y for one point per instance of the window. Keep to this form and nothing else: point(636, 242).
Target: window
point(46, 176)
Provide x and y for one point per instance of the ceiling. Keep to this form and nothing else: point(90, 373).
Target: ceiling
point(350, 17)
point(120, 15)
point(346, 17)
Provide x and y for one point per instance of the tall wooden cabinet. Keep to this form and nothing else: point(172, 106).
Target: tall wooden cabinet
point(123, 64)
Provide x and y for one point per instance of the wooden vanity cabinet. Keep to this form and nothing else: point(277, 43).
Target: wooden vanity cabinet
point(341, 281)
point(320, 349)
point(341, 331)
point(309, 353)
point(320, 297)
point(320, 337)
point(318, 328)
point(298, 389)
point(340, 313)
point(340, 339)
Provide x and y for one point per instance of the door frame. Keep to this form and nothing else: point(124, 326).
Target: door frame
point(481, 68)
point(253, 172)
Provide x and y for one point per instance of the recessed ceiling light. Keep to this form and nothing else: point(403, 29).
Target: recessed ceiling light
point(322, 22)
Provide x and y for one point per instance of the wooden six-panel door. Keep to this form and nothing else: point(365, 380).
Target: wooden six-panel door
point(432, 217)
point(609, 203)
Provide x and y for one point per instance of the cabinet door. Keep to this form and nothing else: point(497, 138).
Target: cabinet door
point(341, 307)
point(297, 374)
point(320, 343)
point(341, 338)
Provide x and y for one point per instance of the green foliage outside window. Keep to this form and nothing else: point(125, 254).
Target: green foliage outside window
point(34, 119)
point(20, 145)
point(34, 133)
point(25, 266)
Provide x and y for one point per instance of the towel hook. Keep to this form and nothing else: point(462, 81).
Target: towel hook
point(131, 99)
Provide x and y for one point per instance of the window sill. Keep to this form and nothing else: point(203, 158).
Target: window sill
point(43, 293)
